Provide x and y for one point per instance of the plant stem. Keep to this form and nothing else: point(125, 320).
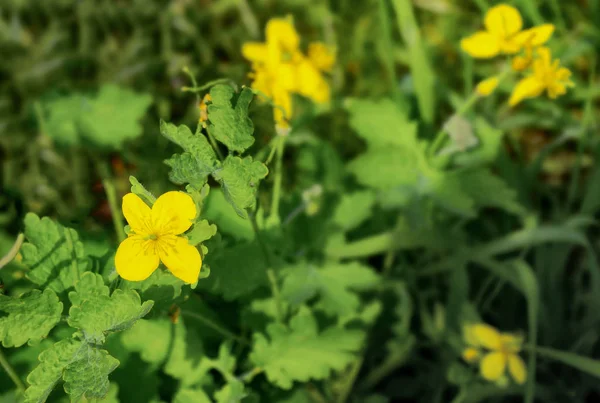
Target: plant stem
point(216, 327)
point(6, 259)
point(368, 246)
point(349, 381)
point(111, 197)
point(269, 270)
point(11, 372)
point(274, 213)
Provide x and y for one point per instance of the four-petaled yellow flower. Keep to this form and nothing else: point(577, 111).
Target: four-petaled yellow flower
point(495, 352)
point(547, 76)
point(504, 35)
point(280, 69)
point(156, 237)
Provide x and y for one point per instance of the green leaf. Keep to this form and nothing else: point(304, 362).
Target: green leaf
point(239, 180)
point(83, 367)
point(30, 317)
point(200, 232)
point(138, 189)
point(112, 117)
point(236, 271)
point(149, 338)
point(353, 209)
point(387, 167)
point(161, 287)
point(382, 123)
point(96, 313)
point(227, 123)
point(218, 210)
point(53, 253)
point(334, 283)
point(61, 120)
point(300, 353)
point(232, 392)
point(490, 140)
point(196, 163)
point(191, 395)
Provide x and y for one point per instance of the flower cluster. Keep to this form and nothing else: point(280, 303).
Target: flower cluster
point(494, 351)
point(504, 34)
point(280, 69)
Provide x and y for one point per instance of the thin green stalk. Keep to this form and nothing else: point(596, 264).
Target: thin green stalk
point(6, 259)
point(269, 270)
point(368, 246)
point(349, 381)
point(216, 327)
point(11, 372)
point(248, 18)
point(276, 196)
point(115, 211)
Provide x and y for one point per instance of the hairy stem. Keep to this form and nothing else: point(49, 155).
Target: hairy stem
point(11, 372)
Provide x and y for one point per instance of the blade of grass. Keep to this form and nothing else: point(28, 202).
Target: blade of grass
point(420, 68)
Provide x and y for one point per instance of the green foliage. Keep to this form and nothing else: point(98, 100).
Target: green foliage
point(53, 253)
point(96, 313)
point(106, 120)
point(353, 209)
point(227, 123)
point(30, 317)
point(301, 352)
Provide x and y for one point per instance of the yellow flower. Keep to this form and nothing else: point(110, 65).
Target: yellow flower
point(487, 86)
point(495, 352)
point(503, 34)
point(547, 76)
point(280, 69)
point(155, 237)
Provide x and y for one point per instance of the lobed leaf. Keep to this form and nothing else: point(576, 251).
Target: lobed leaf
point(53, 253)
point(96, 313)
point(30, 317)
point(300, 353)
point(227, 123)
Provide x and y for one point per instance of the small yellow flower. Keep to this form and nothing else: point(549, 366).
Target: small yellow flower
point(495, 352)
point(156, 237)
point(503, 34)
point(547, 76)
point(487, 86)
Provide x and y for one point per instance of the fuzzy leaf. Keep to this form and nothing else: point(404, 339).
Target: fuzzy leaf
point(301, 353)
point(30, 317)
point(196, 163)
point(53, 253)
point(61, 121)
point(335, 284)
point(227, 123)
point(239, 179)
point(191, 395)
point(83, 367)
point(113, 116)
point(96, 313)
point(200, 232)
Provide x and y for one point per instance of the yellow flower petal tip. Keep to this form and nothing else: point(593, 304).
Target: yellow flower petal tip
point(155, 237)
point(471, 355)
point(487, 86)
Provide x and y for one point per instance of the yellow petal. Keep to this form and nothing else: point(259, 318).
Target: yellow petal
point(487, 86)
point(503, 20)
point(136, 258)
point(520, 63)
point(471, 355)
point(254, 51)
point(535, 36)
point(282, 32)
point(182, 259)
point(321, 56)
point(311, 82)
point(173, 213)
point(137, 213)
point(512, 342)
point(282, 113)
point(487, 336)
point(481, 45)
point(517, 370)
point(529, 87)
point(492, 366)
